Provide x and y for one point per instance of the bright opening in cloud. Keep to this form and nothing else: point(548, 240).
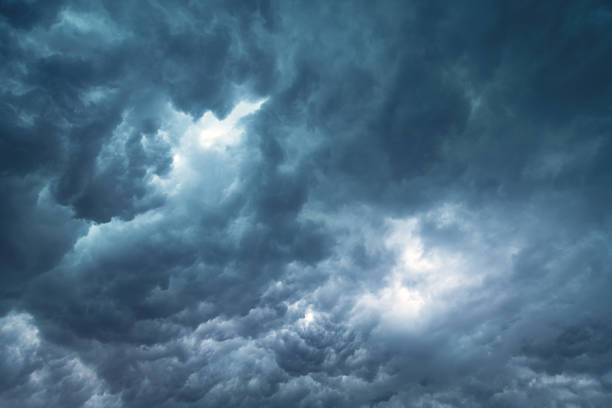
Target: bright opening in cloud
point(425, 281)
point(208, 136)
point(219, 134)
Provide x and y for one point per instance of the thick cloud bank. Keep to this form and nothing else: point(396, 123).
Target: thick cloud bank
point(305, 204)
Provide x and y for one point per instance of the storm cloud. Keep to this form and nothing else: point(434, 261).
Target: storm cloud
point(305, 204)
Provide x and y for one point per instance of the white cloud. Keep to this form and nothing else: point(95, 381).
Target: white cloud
point(206, 154)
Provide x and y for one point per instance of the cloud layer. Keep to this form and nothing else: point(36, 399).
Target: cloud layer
point(309, 204)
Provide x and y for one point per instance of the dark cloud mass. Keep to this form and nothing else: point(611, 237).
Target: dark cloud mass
point(305, 204)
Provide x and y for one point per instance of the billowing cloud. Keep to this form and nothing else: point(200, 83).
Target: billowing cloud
point(323, 204)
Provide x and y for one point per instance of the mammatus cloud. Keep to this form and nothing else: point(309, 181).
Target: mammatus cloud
point(324, 204)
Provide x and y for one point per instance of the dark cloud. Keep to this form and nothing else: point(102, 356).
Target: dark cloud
point(262, 203)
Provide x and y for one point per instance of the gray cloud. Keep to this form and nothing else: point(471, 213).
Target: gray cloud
point(317, 205)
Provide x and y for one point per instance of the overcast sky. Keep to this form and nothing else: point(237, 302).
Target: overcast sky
point(305, 204)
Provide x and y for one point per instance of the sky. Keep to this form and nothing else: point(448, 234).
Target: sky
point(305, 204)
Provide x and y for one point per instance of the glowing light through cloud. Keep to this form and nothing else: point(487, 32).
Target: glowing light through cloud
point(220, 134)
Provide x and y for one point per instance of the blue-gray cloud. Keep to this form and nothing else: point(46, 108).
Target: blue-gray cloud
point(267, 203)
